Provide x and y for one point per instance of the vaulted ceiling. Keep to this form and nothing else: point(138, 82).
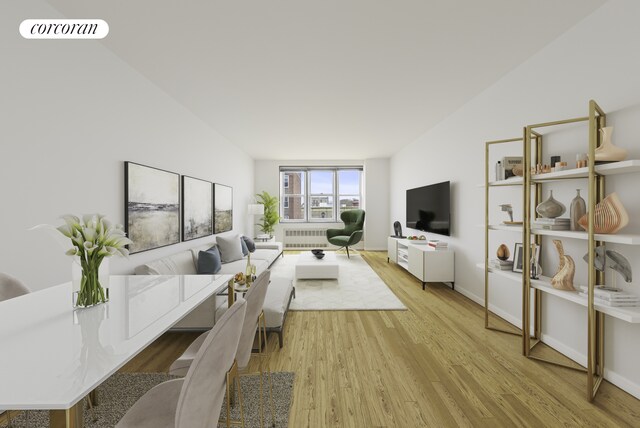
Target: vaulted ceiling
point(330, 79)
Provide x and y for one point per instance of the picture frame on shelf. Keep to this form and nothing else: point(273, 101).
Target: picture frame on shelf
point(517, 258)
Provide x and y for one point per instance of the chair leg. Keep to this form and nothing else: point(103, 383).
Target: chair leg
point(228, 386)
point(261, 318)
point(266, 354)
point(348, 252)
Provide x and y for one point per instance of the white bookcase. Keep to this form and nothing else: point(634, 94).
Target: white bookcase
point(422, 261)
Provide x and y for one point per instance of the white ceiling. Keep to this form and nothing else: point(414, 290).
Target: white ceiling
point(327, 79)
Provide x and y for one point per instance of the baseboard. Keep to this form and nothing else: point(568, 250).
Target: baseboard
point(622, 383)
point(496, 310)
point(376, 249)
point(565, 350)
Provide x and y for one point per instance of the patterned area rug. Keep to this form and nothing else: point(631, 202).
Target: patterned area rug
point(118, 393)
point(358, 287)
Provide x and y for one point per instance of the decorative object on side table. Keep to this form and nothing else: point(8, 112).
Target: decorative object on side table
point(619, 262)
point(503, 252)
point(563, 279)
point(250, 271)
point(607, 152)
point(577, 210)
point(270, 216)
point(550, 208)
point(93, 239)
point(609, 217)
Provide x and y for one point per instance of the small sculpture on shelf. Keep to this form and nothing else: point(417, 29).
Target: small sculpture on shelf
point(607, 152)
point(509, 210)
point(619, 263)
point(563, 279)
point(609, 217)
point(503, 252)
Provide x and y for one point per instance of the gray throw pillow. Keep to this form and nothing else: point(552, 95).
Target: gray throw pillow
point(209, 261)
point(251, 246)
point(230, 248)
point(245, 250)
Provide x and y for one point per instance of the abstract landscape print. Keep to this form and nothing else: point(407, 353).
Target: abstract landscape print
point(223, 196)
point(152, 207)
point(197, 208)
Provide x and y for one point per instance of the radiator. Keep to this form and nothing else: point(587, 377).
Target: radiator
point(306, 238)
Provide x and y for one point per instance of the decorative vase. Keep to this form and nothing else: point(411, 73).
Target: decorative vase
point(550, 208)
point(251, 269)
point(90, 281)
point(563, 279)
point(535, 270)
point(577, 210)
point(609, 216)
point(607, 152)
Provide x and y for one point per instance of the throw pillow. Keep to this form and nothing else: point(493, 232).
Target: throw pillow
point(251, 246)
point(230, 248)
point(209, 261)
point(245, 250)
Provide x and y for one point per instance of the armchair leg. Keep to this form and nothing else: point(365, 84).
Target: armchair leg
point(348, 256)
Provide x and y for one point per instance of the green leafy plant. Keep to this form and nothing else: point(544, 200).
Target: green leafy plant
point(270, 217)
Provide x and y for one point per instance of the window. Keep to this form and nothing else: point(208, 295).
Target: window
point(319, 194)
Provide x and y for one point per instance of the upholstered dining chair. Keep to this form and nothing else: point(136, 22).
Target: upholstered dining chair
point(195, 400)
point(253, 320)
point(11, 287)
point(352, 232)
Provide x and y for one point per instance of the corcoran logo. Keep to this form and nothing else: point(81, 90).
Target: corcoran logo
point(64, 29)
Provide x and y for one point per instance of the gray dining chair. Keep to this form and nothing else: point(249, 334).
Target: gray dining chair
point(195, 401)
point(253, 320)
point(11, 287)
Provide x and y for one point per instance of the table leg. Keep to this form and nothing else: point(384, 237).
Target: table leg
point(69, 418)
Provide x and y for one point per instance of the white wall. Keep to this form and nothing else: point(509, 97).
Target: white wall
point(597, 59)
point(72, 112)
point(375, 194)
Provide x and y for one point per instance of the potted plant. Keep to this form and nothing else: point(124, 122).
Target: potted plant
point(270, 217)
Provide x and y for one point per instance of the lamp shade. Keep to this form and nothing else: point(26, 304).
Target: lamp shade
point(256, 209)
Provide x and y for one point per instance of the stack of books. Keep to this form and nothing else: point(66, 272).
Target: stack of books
point(614, 297)
point(438, 245)
point(501, 264)
point(551, 223)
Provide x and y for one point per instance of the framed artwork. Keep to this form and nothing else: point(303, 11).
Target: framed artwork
point(152, 207)
point(197, 208)
point(223, 197)
point(517, 257)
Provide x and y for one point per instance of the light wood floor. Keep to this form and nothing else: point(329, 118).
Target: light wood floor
point(434, 365)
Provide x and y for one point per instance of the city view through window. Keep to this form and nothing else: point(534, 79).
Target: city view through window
point(311, 194)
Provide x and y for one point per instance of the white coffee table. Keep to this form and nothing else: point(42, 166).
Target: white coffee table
point(310, 267)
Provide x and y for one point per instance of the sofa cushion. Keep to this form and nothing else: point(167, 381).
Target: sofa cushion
point(177, 264)
point(265, 254)
point(245, 249)
point(209, 261)
point(230, 248)
point(251, 246)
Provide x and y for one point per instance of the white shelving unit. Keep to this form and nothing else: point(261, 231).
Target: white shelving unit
point(422, 261)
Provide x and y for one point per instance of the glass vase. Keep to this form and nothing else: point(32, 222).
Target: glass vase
point(90, 282)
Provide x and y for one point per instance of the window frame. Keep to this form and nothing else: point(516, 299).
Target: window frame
point(307, 196)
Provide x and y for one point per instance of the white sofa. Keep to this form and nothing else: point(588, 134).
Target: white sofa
point(279, 293)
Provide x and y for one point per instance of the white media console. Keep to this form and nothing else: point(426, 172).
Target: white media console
point(422, 261)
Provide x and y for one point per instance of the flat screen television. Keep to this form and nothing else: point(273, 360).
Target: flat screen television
point(428, 208)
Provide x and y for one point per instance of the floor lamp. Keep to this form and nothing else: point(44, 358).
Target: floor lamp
point(254, 210)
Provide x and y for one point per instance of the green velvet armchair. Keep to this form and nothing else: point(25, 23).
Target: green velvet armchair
point(352, 232)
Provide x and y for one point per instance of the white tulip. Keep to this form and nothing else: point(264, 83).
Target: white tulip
point(90, 234)
point(72, 252)
point(71, 220)
point(66, 230)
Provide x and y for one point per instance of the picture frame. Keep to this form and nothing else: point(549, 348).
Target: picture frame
point(151, 207)
point(223, 208)
point(518, 254)
point(197, 208)
point(517, 257)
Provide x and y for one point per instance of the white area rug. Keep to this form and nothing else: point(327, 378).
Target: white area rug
point(357, 288)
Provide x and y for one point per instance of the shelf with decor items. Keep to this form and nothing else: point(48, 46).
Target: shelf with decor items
point(422, 261)
point(543, 283)
point(513, 227)
point(595, 176)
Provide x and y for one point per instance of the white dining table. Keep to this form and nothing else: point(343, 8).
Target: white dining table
point(52, 355)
